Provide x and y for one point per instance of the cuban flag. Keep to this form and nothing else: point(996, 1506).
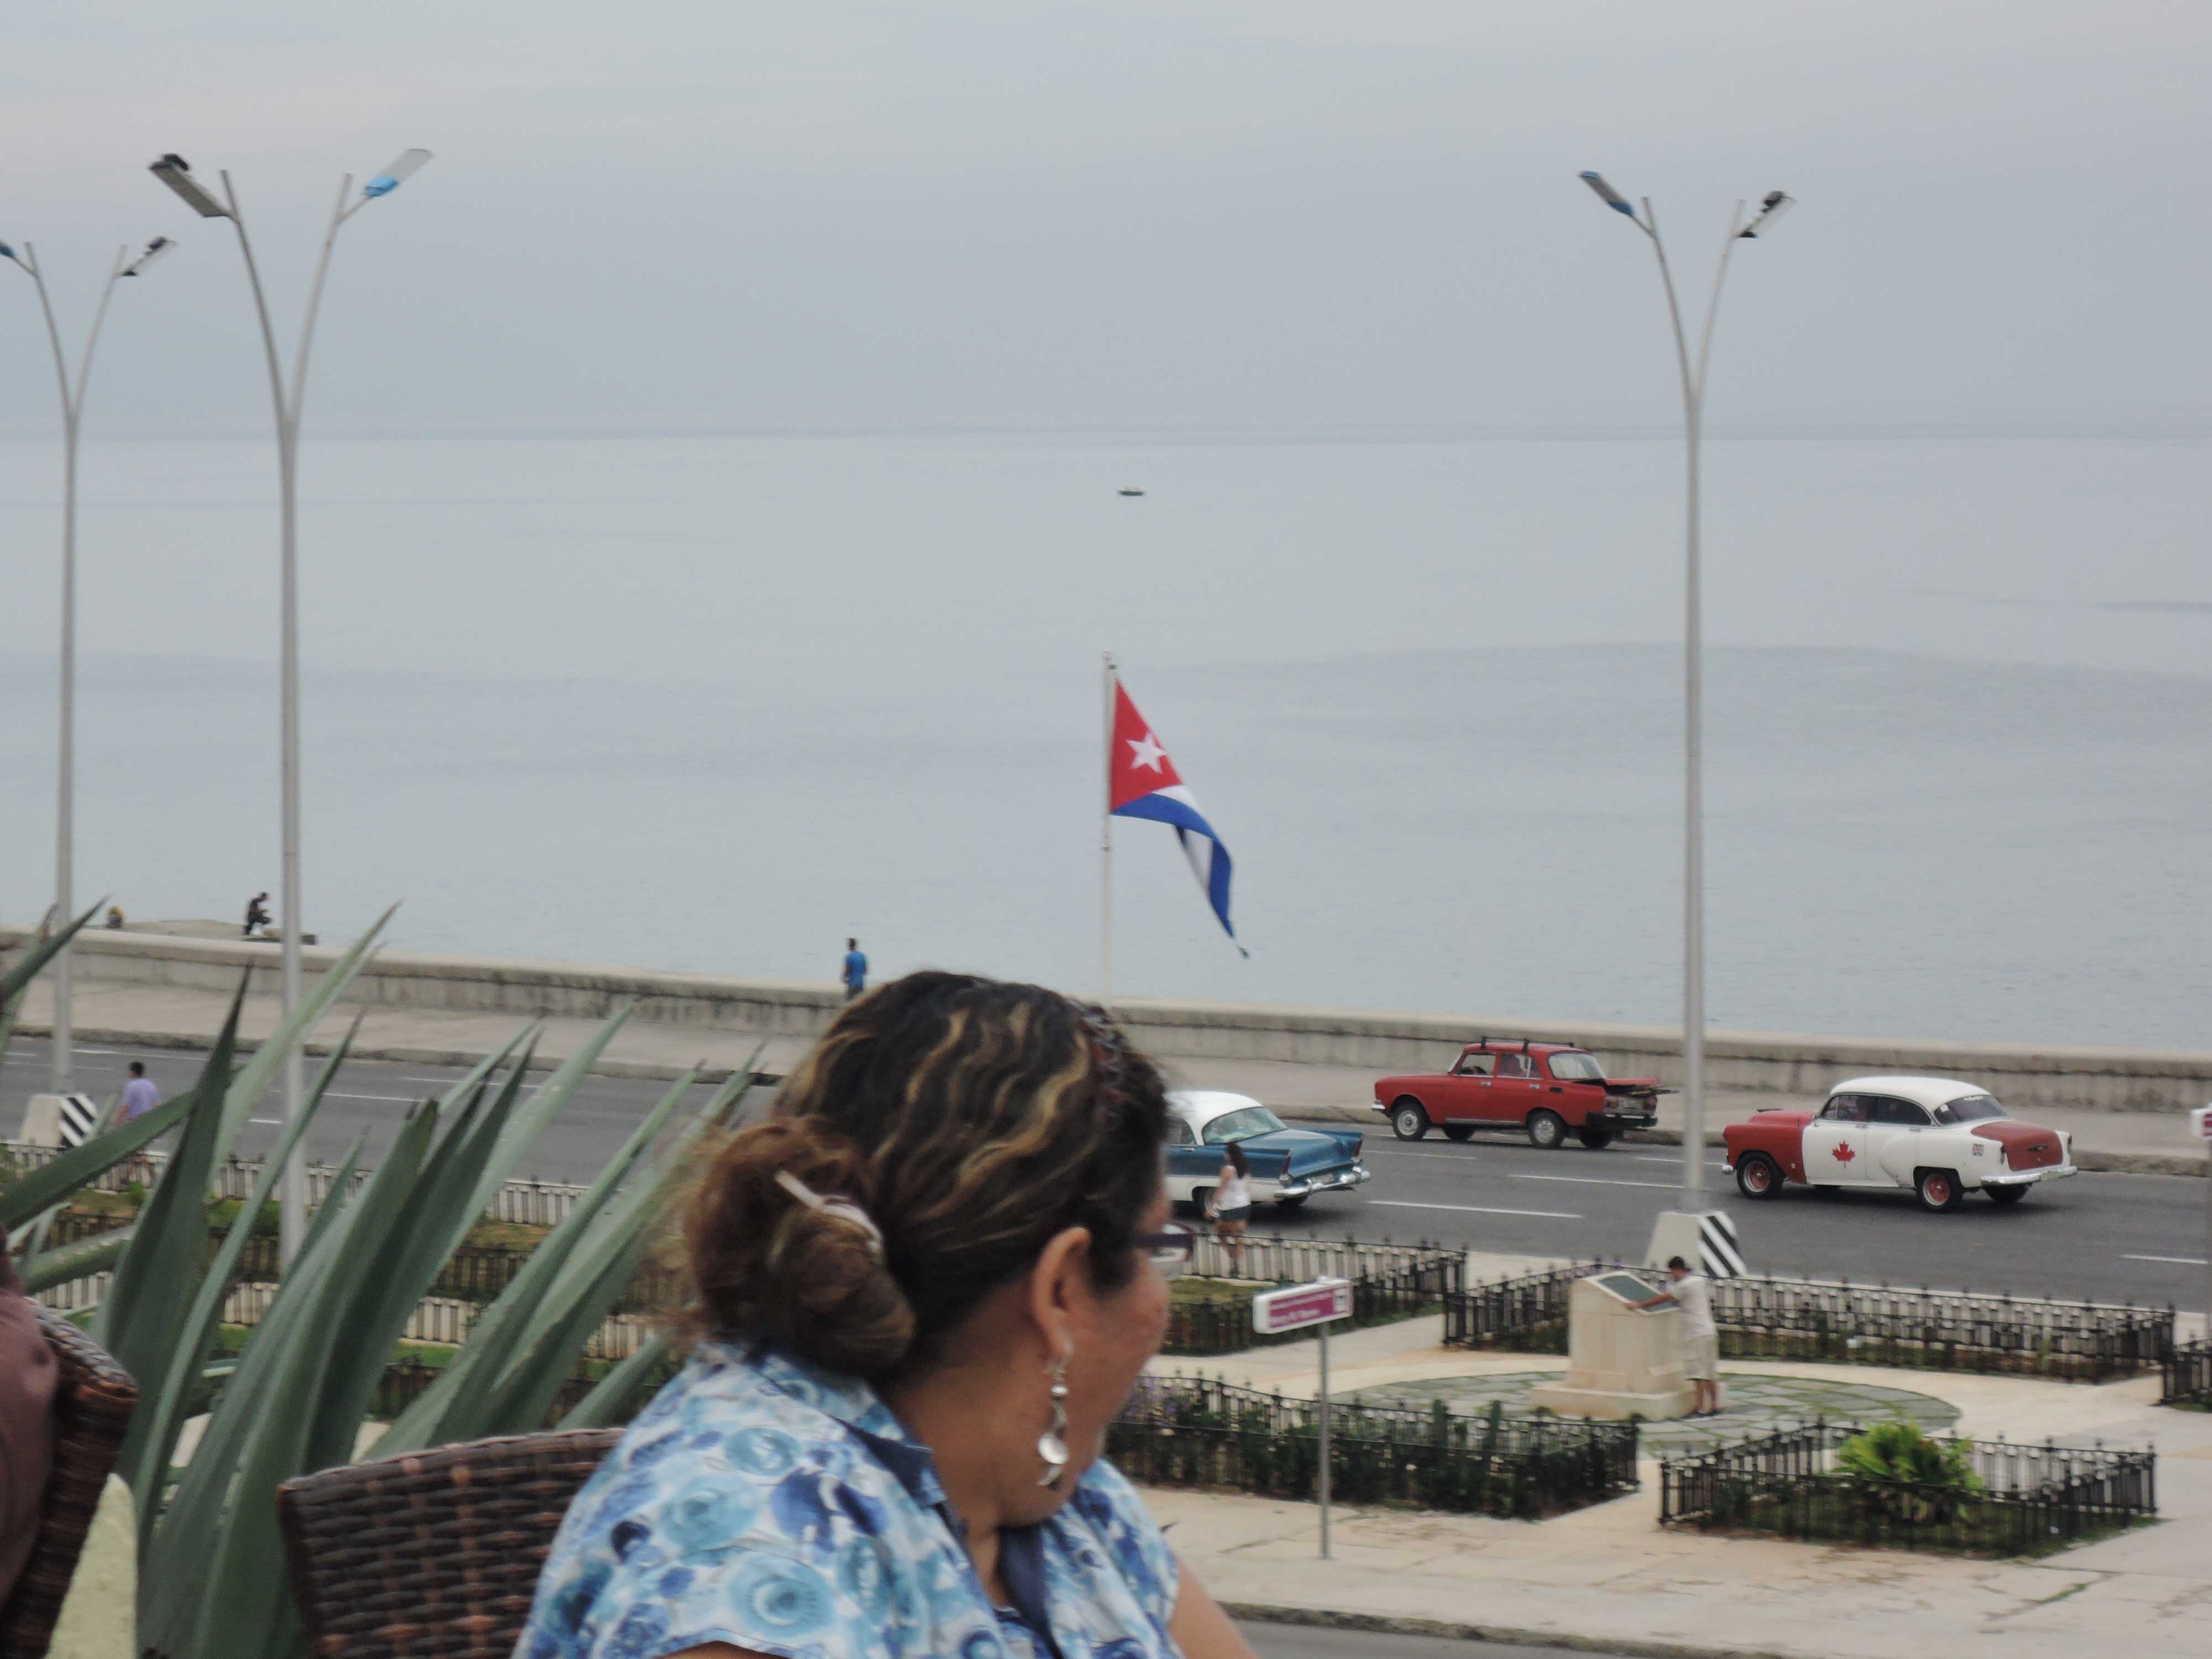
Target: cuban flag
point(1142, 782)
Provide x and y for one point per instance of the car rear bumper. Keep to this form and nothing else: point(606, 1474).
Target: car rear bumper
point(1327, 1181)
point(2029, 1177)
point(1620, 1120)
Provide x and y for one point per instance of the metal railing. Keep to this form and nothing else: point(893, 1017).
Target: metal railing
point(1188, 1432)
point(2186, 1374)
point(1857, 1324)
point(2022, 1498)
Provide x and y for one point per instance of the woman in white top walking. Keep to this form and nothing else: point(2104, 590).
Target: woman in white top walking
point(1231, 1208)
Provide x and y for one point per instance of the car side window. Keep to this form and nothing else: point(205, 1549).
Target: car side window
point(1515, 1065)
point(1179, 1133)
point(1845, 1108)
point(1902, 1112)
point(1474, 1066)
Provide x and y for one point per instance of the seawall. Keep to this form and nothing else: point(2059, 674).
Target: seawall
point(2023, 1074)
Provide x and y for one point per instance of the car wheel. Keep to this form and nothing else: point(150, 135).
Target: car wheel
point(1938, 1189)
point(1289, 1204)
point(1459, 1132)
point(1407, 1120)
point(1596, 1139)
point(1547, 1130)
point(1758, 1176)
point(2006, 1194)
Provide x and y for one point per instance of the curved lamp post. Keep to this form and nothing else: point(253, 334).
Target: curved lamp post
point(1694, 839)
point(173, 171)
point(65, 795)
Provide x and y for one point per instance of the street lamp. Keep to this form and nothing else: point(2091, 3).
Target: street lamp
point(65, 794)
point(1694, 839)
point(174, 171)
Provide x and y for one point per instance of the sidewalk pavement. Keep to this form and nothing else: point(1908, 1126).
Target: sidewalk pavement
point(1609, 1578)
point(152, 1016)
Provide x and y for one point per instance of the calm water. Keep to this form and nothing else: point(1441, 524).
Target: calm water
point(716, 702)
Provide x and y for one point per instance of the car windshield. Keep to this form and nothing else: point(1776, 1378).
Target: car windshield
point(1970, 1108)
point(1577, 1068)
point(1241, 1126)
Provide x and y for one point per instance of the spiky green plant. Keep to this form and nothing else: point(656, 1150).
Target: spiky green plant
point(296, 1399)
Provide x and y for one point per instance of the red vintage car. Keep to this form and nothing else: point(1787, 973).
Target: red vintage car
point(1548, 1090)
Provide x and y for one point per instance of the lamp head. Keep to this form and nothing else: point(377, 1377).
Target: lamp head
point(397, 173)
point(8, 252)
point(176, 173)
point(155, 249)
point(1607, 194)
point(1772, 207)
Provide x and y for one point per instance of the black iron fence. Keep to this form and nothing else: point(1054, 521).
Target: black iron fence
point(2186, 1374)
point(1389, 1281)
point(2020, 1499)
point(1857, 1324)
point(1187, 1432)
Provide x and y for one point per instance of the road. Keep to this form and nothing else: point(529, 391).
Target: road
point(2109, 1237)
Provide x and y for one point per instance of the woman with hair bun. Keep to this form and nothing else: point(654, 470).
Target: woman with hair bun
point(925, 1285)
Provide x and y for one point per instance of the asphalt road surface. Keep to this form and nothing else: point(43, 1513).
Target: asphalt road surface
point(2109, 1237)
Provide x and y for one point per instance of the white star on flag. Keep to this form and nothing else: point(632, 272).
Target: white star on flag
point(1146, 752)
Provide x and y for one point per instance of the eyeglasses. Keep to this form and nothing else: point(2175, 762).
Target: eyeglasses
point(1172, 1251)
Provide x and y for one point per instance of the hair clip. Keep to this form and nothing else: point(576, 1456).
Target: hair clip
point(842, 1209)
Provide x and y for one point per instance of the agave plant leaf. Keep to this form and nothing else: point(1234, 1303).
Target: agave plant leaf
point(145, 1304)
point(50, 1184)
point(81, 1260)
point(614, 1398)
point(32, 1241)
point(252, 1082)
point(143, 1462)
point(27, 967)
point(432, 1224)
point(457, 1405)
point(229, 1596)
point(529, 1122)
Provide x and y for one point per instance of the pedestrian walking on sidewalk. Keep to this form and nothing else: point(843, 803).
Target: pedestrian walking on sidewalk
point(140, 1097)
point(1701, 1338)
point(925, 1286)
point(856, 973)
point(1231, 1207)
point(257, 915)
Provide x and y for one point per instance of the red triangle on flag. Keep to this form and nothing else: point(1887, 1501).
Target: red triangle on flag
point(1138, 764)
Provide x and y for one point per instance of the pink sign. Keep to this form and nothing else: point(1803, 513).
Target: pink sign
point(1301, 1306)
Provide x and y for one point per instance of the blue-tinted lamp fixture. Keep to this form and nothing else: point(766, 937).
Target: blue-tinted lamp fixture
point(154, 250)
point(409, 163)
point(1605, 193)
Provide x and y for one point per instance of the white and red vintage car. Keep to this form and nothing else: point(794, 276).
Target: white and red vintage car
point(1939, 1137)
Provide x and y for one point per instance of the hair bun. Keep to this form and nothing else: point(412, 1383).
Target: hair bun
point(806, 1278)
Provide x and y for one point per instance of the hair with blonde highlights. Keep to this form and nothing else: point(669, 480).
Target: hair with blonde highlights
point(973, 1120)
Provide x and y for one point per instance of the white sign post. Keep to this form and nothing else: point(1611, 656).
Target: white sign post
point(1293, 1309)
point(2200, 1122)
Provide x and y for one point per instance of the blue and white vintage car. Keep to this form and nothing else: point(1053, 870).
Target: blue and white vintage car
point(1288, 1166)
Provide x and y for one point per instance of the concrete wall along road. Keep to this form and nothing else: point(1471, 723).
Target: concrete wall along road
point(2023, 1074)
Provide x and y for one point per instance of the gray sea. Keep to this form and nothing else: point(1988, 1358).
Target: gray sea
point(715, 701)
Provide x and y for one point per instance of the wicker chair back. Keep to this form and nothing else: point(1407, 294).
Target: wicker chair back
point(92, 1401)
point(435, 1554)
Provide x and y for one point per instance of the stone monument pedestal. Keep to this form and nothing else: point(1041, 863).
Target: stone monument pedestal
point(1622, 1360)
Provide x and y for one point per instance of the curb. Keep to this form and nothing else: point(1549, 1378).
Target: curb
point(1633, 1647)
point(650, 1071)
point(2093, 1163)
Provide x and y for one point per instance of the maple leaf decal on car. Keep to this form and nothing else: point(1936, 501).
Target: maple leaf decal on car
point(1844, 1152)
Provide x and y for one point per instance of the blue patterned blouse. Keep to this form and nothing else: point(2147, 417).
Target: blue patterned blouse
point(762, 1503)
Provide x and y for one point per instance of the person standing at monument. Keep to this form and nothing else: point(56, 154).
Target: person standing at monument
point(1701, 1338)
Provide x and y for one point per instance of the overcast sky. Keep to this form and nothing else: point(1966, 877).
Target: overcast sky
point(1156, 213)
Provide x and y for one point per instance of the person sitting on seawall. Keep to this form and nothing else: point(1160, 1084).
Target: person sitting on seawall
point(925, 1283)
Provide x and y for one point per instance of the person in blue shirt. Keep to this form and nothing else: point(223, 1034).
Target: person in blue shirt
point(855, 975)
point(925, 1286)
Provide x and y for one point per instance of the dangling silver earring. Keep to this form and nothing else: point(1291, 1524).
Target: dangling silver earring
point(1052, 1444)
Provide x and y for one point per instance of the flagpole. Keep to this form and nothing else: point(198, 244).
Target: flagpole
point(1106, 845)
